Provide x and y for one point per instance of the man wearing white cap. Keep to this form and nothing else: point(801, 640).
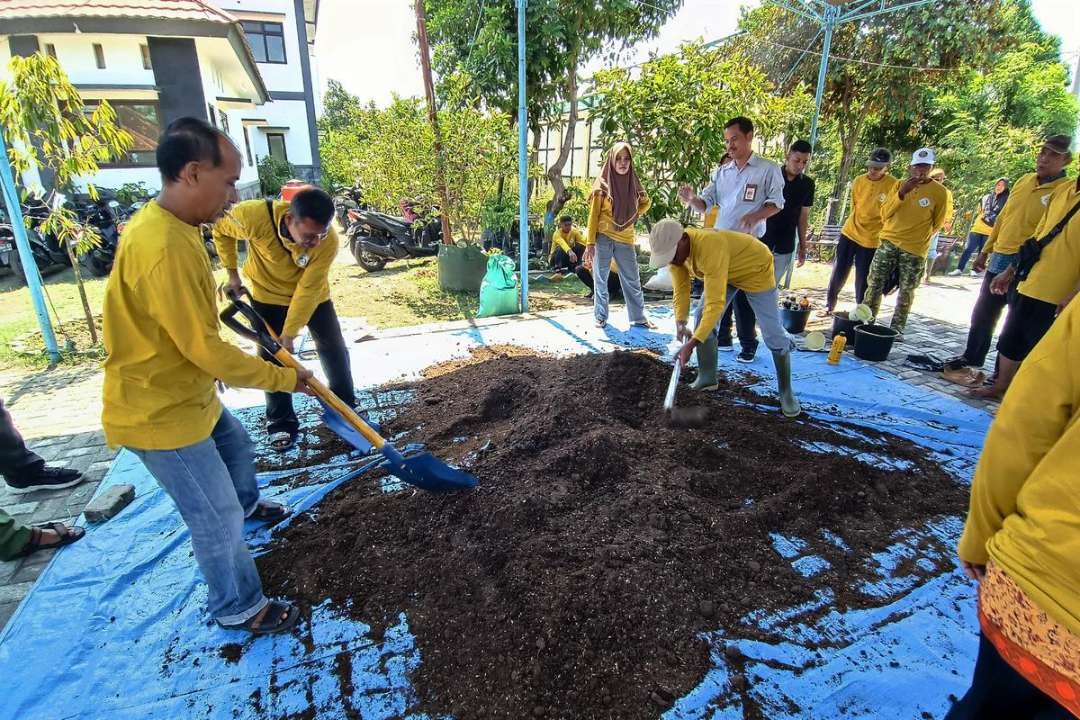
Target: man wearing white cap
point(726, 261)
point(910, 216)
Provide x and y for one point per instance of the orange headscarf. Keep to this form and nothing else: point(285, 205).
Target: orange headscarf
point(624, 190)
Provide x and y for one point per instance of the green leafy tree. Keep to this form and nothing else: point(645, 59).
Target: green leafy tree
point(479, 37)
point(48, 126)
point(273, 173)
point(673, 114)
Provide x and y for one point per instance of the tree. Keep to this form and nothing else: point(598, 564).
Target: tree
point(479, 37)
point(49, 126)
point(674, 112)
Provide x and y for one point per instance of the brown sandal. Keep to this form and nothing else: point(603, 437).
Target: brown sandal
point(66, 535)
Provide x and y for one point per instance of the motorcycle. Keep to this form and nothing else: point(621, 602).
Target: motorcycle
point(48, 261)
point(102, 215)
point(345, 199)
point(376, 238)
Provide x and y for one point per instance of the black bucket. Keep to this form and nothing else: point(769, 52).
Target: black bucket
point(873, 342)
point(843, 325)
point(794, 320)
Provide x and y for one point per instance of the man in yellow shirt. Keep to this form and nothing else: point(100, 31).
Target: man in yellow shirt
point(727, 261)
point(1016, 223)
point(1021, 544)
point(910, 217)
point(859, 236)
point(1053, 282)
point(291, 246)
point(567, 246)
point(164, 353)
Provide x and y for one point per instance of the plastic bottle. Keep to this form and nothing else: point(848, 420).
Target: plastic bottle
point(837, 349)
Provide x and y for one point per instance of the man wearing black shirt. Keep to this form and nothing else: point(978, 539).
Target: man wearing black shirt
point(780, 229)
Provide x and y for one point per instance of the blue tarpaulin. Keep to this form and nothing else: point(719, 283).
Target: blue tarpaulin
point(116, 626)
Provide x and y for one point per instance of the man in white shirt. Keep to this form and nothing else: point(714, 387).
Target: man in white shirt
point(748, 190)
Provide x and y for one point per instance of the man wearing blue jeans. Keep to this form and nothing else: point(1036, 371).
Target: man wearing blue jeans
point(164, 353)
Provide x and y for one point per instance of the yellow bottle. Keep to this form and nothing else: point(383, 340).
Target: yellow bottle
point(837, 349)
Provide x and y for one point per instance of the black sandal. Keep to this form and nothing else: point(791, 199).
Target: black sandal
point(282, 441)
point(270, 512)
point(66, 535)
point(286, 614)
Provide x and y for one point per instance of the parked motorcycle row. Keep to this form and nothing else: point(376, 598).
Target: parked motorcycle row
point(375, 238)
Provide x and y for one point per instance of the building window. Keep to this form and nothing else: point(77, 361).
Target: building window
point(276, 143)
point(224, 121)
point(50, 50)
point(247, 146)
point(145, 49)
point(142, 122)
point(267, 40)
point(211, 114)
point(99, 56)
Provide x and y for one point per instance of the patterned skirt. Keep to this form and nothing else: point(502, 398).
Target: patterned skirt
point(1043, 651)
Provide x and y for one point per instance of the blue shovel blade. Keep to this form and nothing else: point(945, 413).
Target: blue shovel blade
point(427, 472)
point(346, 431)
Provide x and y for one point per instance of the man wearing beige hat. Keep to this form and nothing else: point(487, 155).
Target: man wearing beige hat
point(726, 261)
point(910, 216)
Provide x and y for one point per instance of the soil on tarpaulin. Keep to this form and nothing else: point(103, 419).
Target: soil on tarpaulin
point(575, 581)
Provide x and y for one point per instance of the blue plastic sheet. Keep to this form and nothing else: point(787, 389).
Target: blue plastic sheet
point(116, 626)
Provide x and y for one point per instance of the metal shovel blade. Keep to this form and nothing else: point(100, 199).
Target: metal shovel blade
point(347, 432)
point(426, 471)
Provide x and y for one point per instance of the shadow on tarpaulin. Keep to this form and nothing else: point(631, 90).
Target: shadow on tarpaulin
point(116, 626)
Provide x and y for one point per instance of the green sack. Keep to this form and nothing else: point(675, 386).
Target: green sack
point(499, 289)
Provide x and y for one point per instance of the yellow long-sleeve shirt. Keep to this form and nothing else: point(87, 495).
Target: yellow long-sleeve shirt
point(863, 224)
point(980, 226)
point(161, 334)
point(720, 258)
point(1025, 509)
point(1020, 217)
point(1055, 276)
point(909, 223)
point(565, 241)
point(602, 222)
point(271, 267)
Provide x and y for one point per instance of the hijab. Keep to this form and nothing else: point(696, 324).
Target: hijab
point(623, 190)
point(993, 202)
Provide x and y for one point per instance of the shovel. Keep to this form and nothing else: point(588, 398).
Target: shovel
point(423, 469)
point(681, 417)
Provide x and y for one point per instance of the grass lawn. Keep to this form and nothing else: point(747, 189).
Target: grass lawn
point(405, 293)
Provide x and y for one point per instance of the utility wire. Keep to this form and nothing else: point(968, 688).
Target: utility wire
point(857, 60)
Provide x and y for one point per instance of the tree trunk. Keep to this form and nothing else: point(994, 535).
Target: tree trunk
point(534, 158)
point(433, 116)
point(850, 127)
point(555, 172)
point(82, 293)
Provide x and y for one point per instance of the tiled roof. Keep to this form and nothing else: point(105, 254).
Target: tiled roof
point(158, 9)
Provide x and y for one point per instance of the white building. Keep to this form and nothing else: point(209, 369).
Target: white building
point(244, 65)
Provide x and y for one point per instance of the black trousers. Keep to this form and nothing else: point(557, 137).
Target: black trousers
point(16, 460)
point(561, 260)
point(984, 319)
point(745, 323)
point(848, 253)
point(1000, 693)
point(614, 287)
point(333, 356)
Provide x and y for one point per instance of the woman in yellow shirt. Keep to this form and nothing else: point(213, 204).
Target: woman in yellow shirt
point(991, 205)
point(1021, 543)
point(615, 205)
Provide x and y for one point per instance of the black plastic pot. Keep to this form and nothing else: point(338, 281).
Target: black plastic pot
point(873, 342)
point(794, 320)
point(843, 325)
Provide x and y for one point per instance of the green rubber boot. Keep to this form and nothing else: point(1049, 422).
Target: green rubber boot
point(706, 365)
point(789, 404)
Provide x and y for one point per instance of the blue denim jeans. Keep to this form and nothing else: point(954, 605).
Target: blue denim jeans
point(213, 485)
point(629, 277)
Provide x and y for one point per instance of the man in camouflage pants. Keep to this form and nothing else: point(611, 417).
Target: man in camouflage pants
point(911, 215)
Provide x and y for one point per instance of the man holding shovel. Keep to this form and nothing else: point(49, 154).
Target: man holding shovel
point(726, 261)
point(291, 246)
point(164, 353)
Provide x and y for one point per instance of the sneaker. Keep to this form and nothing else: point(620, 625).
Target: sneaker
point(50, 478)
point(746, 356)
point(976, 273)
point(601, 324)
point(956, 273)
point(725, 345)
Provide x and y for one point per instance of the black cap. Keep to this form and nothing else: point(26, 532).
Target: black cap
point(880, 156)
point(1058, 143)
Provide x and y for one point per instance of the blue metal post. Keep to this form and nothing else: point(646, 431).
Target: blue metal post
point(828, 24)
point(26, 255)
point(523, 164)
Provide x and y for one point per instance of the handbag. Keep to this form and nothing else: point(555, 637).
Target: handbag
point(1031, 250)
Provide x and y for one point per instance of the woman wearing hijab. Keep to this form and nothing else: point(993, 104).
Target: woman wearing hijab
point(616, 203)
point(991, 205)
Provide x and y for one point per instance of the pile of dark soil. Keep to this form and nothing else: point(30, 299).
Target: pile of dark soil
point(574, 581)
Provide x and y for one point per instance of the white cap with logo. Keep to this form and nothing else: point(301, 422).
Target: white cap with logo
point(923, 156)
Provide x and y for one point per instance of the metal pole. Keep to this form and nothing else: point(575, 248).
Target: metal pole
point(828, 23)
point(26, 255)
point(523, 164)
